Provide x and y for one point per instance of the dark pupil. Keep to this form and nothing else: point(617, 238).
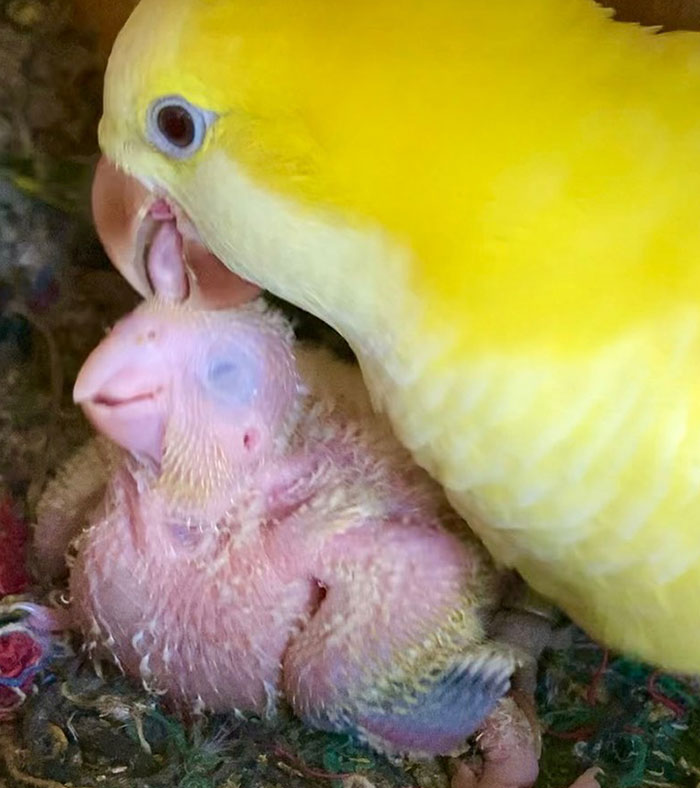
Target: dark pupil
point(176, 124)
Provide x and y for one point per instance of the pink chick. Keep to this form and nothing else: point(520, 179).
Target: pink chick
point(254, 543)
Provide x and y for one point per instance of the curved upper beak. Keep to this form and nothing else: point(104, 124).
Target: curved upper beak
point(126, 217)
point(120, 388)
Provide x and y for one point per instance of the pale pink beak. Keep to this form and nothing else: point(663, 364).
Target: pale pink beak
point(126, 217)
point(121, 388)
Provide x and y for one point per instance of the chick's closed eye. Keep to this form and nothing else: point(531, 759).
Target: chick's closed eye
point(233, 378)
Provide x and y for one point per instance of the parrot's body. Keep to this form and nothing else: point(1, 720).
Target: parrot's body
point(496, 203)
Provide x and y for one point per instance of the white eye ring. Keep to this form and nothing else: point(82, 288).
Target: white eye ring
point(176, 127)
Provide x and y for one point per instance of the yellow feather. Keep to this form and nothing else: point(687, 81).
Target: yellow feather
point(497, 203)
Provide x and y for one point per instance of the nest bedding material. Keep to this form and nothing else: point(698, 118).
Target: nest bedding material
point(78, 727)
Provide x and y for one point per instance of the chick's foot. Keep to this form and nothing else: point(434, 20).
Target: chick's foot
point(509, 746)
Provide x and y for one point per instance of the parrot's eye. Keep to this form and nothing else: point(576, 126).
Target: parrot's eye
point(176, 127)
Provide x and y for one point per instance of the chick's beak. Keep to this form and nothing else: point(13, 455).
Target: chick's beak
point(127, 215)
point(121, 388)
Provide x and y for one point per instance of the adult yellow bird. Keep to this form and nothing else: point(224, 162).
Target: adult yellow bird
point(498, 204)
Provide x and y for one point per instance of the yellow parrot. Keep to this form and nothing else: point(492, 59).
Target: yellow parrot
point(497, 204)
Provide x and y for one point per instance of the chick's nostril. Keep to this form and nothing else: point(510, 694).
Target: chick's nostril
point(146, 337)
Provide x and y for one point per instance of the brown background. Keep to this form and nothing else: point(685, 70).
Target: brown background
point(670, 13)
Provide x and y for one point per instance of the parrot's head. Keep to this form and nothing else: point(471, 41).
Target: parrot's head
point(165, 115)
point(193, 392)
point(424, 176)
point(214, 114)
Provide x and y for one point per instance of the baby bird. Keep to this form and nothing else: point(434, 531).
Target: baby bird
point(253, 543)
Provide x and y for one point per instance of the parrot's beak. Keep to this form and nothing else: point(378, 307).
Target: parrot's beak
point(127, 215)
point(121, 390)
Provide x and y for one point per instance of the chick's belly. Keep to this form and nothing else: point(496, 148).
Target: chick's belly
point(207, 632)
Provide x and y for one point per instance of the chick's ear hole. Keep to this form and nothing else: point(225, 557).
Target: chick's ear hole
point(250, 440)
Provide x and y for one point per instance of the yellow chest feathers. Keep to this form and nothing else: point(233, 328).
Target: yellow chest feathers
point(584, 474)
point(556, 453)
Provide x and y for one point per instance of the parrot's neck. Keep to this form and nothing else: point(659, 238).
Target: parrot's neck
point(372, 315)
point(203, 477)
point(194, 474)
point(198, 485)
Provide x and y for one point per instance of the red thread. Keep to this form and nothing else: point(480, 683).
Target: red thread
point(592, 694)
point(659, 697)
point(18, 651)
point(307, 771)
